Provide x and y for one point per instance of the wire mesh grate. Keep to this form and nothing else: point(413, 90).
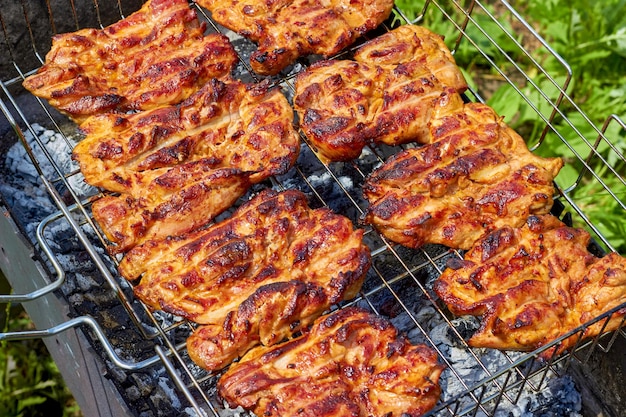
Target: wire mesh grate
point(399, 284)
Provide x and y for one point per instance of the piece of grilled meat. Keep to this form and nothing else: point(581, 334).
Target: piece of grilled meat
point(227, 125)
point(350, 363)
point(534, 284)
point(256, 277)
point(476, 176)
point(157, 55)
point(287, 29)
point(408, 45)
point(178, 166)
point(396, 84)
point(173, 201)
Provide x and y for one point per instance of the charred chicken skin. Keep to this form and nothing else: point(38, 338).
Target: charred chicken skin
point(396, 84)
point(287, 29)
point(350, 363)
point(256, 277)
point(534, 284)
point(178, 166)
point(476, 176)
point(158, 55)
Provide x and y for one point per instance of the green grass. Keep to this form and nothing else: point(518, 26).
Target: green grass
point(30, 382)
point(591, 38)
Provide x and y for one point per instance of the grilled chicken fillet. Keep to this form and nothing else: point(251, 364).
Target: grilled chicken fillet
point(533, 284)
point(396, 84)
point(158, 55)
point(287, 29)
point(227, 125)
point(476, 176)
point(256, 277)
point(178, 166)
point(351, 363)
point(172, 203)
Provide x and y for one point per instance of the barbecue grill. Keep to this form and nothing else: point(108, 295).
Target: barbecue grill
point(120, 358)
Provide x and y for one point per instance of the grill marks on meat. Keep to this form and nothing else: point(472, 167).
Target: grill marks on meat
point(180, 200)
point(224, 124)
point(396, 84)
point(177, 167)
point(256, 277)
point(351, 363)
point(534, 284)
point(410, 46)
point(476, 176)
point(156, 56)
point(287, 29)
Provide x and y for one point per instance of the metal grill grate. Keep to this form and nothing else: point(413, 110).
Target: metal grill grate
point(399, 282)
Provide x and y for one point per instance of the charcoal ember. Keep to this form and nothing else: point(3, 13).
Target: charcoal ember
point(100, 299)
point(114, 318)
point(66, 244)
point(133, 393)
point(118, 375)
point(560, 399)
point(85, 282)
point(143, 382)
point(390, 307)
point(465, 326)
point(132, 346)
point(162, 397)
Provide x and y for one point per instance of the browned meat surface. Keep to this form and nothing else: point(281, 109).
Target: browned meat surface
point(477, 176)
point(226, 125)
point(179, 166)
point(170, 202)
point(256, 277)
point(287, 29)
point(351, 363)
point(412, 45)
point(534, 284)
point(396, 84)
point(158, 55)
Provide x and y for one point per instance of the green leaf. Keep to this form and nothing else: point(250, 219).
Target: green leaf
point(25, 403)
point(506, 102)
point(618, 45)
point(567, 176)
point(592, 56)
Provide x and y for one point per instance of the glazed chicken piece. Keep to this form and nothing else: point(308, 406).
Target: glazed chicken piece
point(534, 284)
point(156, 56)
point(395, 86)
point(476, 176)
point(225, 125)
point(256, 277)
point(172, 203)
point(408, 45)
point(351, 363)
point(287, 29)
point(177, 167)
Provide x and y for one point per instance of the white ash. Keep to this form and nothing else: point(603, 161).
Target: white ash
point(59, 150)
point(22, 188)
point(558, 394)
point(85, 282)
point(169, 391)
point(165, 319)
point(323, 179)
point(233, 412)
point(190, 411)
